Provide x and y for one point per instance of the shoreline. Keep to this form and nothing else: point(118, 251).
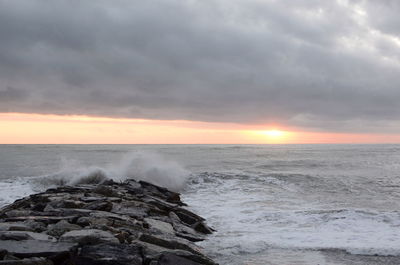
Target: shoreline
point(110, 223)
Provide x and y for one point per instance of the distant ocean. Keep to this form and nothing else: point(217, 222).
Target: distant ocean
point(271, 204)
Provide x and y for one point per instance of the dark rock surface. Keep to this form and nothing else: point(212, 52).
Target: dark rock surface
point(102, 224)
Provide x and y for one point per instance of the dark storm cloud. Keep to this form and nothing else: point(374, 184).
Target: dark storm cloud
point(327, 65)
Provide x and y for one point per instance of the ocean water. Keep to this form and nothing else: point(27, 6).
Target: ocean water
point(270, 204)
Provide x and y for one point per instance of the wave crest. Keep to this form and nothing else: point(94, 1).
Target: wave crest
point(139, 166)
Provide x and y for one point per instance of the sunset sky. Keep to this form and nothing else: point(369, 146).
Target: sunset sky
point(191, 71)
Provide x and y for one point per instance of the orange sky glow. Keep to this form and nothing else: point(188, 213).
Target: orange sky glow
point(20, 128)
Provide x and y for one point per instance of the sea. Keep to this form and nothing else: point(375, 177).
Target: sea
point(269, 204)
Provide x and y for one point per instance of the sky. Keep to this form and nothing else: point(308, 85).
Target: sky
point(199, 71)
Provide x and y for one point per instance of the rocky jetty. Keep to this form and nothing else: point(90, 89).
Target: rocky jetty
point(102, 224)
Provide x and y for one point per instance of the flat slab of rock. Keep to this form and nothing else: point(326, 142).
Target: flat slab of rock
point(168, 242)
point(12, 226)
point(32, 261)
point(171, 259)
point(24, 235)
point(110, 254)
point(89, 237)
point(160, 225)
point(35, 248)
point(61, 228)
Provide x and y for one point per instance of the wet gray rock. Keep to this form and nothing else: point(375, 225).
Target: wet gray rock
point(34, 226)
point(61, 228)
point(3, 252)
point(202, 228)
point(102, 224)
point(185, 231)
point(18, 213)
point(171, 259)
point(187, 216)
point(161, 226)
point(168, 242)
point(32, 261)
point(37, 248)
point(43, 219)
point(99, 206)
point(105, 191)
point(110, 254)
point(24, 235)
point(89, 237)
point(12, 226)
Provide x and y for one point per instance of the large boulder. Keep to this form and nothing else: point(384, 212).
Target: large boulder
point(161, 226)
point(89, 237)
point(171, 259)
point(109, 254)
point(24, 235)
point(61, 228)
point(13, 226)
point(37, 248)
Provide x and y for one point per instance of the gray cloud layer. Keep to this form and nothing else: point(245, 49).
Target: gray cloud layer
point(327, 65)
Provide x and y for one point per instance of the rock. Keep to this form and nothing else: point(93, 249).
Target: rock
point(156, 190)
point(69, 190)
point(93, 222)
point(187, 216)
point(166, 207)
point(111, 216)
point(108, 182)
point(185, 231)
point(131, 209)
point(18, 213)
point(24, 235)
point(61, 227)
point(8, 256)
point(171, 259)
point(3, 252)
point(193, 257)
point(89, 237)
point(49, 208)
point(13, 226)
point(83, 221)
point(174, 218)
point(35, 226)
point(39, 207)
point(150, 251)
point(105, 191)
point(99, 206)
point(32, 261)
point(18, 204)
point(202, 228)
point(160, 225)
point(153, 252)
point(36, 248)
point(123, 237)
point(88, 199)
point(188, 233)
point(43, 219)
point(133, 185)
point(167, 242)
point(72, 212)
point(74, 204)
point(110, 254)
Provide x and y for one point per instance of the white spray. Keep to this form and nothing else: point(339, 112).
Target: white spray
point(145, 166)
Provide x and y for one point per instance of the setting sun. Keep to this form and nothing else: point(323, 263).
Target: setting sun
point(274, 133)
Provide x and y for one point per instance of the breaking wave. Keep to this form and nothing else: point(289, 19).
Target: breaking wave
point(149, 167)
